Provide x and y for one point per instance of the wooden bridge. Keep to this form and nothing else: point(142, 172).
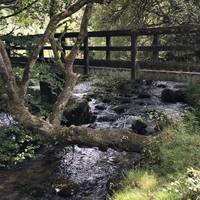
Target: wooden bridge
point(152, 53)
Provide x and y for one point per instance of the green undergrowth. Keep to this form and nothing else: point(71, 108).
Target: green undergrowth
point(17, 144)
point(38, 105)
point(49, 74)
point(170, 169)
point(44, 72)
point(193, 95)
point(146, 185)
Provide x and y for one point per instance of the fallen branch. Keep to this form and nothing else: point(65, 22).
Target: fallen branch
point(118, 139)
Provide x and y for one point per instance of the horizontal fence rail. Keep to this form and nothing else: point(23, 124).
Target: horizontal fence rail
point(135, 48)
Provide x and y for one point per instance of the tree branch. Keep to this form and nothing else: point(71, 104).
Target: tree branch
point(58, 61)
point(50, 28)
point(7, 73)
point(19, 11)
point(71, 77)
point(8, 4)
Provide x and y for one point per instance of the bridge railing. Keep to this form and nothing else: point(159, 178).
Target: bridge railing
point(135, 48)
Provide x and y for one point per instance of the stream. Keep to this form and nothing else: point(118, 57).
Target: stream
point(80, 173)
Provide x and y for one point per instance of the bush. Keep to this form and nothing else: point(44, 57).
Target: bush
point(17, 144)
point(49, 74)
point(38, 105)
point(193, 95)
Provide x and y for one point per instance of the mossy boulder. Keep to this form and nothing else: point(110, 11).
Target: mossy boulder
point(77, 113)
point(173, 96)
point(143, 127)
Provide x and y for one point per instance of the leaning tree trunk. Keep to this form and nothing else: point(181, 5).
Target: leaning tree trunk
point(118, 139)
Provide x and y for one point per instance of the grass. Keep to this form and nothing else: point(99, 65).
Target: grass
point(169, 177)
point(111, 78)
point(144, 185)
point(171, 168)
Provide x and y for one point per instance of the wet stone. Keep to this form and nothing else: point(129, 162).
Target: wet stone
point(152, 128)
point(90, 96)
point(148, 82)
point(120, 108)
point(46, 91)
point(143, 127)
point(125, 100)
point(128, 95)
point(172, 96)
point(78, 113)
point(161, 85)
point(139, 126)
point(37, 191)
point(100, 106)
point(144, 95)
point(107, 117)
point(106, 100)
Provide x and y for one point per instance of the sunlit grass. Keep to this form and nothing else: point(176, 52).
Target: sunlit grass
point(131, 195)
point(141, 179)
point(174, 174)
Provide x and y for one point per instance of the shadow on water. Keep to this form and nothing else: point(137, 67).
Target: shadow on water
point(72, 174)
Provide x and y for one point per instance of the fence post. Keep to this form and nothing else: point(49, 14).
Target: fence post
point(41, 54)
point(108, 44)
point(63, 43)
point(133, 55)
point(86, 56)
point(154, 44)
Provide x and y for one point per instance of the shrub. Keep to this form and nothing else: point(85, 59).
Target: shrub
point(17, 144)
point(49, 74)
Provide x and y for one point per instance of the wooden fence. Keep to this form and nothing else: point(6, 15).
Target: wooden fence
point(135, 48)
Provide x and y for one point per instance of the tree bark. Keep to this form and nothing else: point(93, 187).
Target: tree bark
point(109, 138)
point(70, 76)
point(7, 74)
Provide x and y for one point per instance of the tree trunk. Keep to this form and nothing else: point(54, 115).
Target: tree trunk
point(70, 77)
point(113, 138)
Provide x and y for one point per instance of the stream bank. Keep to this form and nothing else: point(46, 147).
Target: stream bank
point(80, 173)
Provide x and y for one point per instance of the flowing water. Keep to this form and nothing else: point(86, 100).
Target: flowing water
point(80, 173)
point(74, 174)
point(108, 115)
